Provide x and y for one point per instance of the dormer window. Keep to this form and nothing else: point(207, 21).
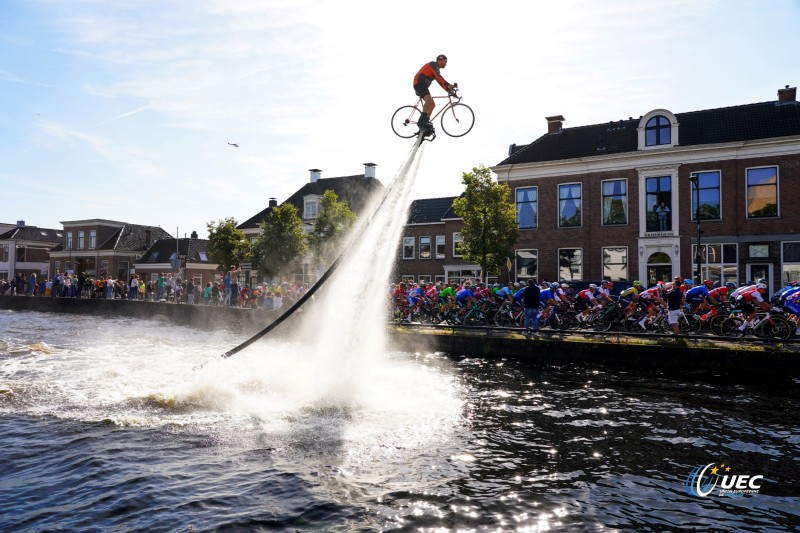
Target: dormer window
point(657, 131)
point(311, 206)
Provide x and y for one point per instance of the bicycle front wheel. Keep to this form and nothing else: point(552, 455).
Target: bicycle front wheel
point(404, 121)
point(457, 120)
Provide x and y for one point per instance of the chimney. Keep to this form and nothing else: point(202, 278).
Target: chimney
point(369, 170)
point(273, 202)
point(787, 95)
point(20, 223)
point(554, 123)
point(315, 174)
point(193, 235)
point(148, 236)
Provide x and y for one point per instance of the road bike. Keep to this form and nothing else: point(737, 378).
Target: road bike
point(457, 119)
point(767, 325)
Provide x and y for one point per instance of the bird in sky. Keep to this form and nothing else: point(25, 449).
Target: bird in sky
point(234, 144)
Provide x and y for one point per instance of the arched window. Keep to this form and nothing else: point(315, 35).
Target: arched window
point(659, 268)
point(657, 131)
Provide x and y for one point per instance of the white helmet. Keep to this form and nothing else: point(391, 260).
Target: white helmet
point(592, 286)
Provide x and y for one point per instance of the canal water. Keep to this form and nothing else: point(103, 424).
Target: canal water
point(116, 424)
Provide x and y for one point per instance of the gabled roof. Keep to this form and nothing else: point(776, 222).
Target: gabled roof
point(355, 190)
point(711, 126)
point(161, 251)
point(428, 210)
point(256, 219)
point(133, 237)
point(32, 233)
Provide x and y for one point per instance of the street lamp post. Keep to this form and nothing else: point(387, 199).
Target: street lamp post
point(695, 180)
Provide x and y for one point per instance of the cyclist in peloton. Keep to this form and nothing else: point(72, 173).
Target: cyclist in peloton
point(422, 82)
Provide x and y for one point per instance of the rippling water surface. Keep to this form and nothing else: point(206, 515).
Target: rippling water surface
point(114, 424)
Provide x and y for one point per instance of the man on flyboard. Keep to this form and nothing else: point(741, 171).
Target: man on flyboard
point(422, 81)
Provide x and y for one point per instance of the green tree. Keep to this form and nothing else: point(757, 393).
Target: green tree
point(335, 219)
point(227, 245)
point(281, 243)
point(490, 220)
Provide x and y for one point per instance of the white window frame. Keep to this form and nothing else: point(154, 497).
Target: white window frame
point(516, 204)
point(517, 276)
point(692, 193)
point(81, 240)
point(602, 207)
point(580, 205)
point(642, 135)
point(444, 247)
point(705, 264)
point(627, 264)
point(310, 200)
point(457, 240)
point(92, 239)
point(558, 265)
point(413, 245)
point(430, 254)
point(777, 191)
point(69, 242)
point(783, 281)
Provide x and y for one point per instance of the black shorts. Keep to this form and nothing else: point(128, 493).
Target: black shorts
point(421, 89)
point(746, 307)
point(581, 304)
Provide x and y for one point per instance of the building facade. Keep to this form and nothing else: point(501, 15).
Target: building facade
point(621, 200)
point(356, 190)
point(26, 250)
point(185, 258)
point(101, 248)
point(430, 247)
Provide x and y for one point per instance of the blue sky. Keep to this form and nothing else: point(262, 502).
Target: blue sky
point(123, 109)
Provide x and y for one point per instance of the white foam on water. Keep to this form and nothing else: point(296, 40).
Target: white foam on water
point(337, 382)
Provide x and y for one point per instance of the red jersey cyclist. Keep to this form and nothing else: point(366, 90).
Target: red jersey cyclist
point(422, 81)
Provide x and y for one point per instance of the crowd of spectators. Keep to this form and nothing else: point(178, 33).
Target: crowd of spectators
point(225, 292)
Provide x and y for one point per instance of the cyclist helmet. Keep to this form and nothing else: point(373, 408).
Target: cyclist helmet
point(688, 282)
point(592, 286)
point(610, 284)
point(708, 282)
point(637, 282)
point(564, 286)
point(763, 280)
point(554, 285)
point(761, 286)
point(731, 286)
point(678, 278)
point(604, 282)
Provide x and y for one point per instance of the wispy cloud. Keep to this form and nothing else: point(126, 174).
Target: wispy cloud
point(123, 115)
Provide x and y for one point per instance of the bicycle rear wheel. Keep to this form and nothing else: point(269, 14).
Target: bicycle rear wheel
point(404, 121)
point(457, 120)
point(778, 329)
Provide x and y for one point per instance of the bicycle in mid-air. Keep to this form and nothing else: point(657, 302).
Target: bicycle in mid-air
point(457, 118)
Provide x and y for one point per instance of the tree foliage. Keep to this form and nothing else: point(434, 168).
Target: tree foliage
point(334, 221)
point(227, 245)
point(490, 219)
point(281, 243)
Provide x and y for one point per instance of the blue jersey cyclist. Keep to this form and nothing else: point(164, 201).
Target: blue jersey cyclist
point(698, 296)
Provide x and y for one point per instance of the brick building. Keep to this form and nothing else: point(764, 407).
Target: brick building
point(429, 249)
point(25, 250)
point(620, 200)
point(185, 258)
point(102, 247)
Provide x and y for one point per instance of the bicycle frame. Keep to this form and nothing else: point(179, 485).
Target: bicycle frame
point(451, 100)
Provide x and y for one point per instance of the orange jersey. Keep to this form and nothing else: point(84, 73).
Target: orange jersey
point(428, 73)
